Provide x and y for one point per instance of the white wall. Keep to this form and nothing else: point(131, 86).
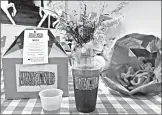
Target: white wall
point(143, 17)
point(37, 2)
point(140, 16)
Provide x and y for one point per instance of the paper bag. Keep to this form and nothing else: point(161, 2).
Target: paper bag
point(127, 51)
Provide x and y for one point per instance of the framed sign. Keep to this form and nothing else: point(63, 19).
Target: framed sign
point(32, 78)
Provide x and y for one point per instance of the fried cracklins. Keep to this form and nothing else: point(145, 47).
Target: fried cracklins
point(131, 79)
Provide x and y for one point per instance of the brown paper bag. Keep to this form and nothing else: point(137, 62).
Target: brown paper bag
point(126, 52)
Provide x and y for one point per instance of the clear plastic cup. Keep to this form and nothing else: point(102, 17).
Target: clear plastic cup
point(51, 99)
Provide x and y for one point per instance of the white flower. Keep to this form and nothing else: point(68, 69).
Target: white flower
point(80, 30)
point(99, 36)
point(83, 50)
point(57, 7)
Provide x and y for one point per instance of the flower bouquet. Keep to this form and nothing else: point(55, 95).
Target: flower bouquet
point(89, 37)
point(90, 26)
point(88, 30)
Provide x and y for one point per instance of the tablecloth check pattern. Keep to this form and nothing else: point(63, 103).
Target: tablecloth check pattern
point(108, 102)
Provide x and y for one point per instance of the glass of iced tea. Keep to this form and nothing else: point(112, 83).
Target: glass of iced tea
point(85, 79)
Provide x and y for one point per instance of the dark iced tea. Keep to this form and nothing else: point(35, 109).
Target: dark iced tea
point(85, 81)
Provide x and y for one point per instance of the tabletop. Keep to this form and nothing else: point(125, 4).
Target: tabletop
point(108, 102)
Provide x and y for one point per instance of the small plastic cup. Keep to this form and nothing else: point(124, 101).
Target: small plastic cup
point(51, 99)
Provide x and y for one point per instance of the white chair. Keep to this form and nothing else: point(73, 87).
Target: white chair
point(51, 8)
point(5, 5)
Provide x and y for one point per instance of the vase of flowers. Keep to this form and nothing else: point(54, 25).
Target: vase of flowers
point(92, 30)
point(89, 38)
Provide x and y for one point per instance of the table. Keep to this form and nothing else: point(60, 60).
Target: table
point(108, 102)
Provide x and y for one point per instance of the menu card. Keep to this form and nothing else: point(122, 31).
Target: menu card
point(35, 50)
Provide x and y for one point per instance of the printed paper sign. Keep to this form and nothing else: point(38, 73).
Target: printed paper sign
point(31, 78)
point(35, 49)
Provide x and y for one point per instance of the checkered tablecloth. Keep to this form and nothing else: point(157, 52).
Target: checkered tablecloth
point(108, 102)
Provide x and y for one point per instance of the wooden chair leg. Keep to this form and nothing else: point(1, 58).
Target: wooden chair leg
point(42, 20)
